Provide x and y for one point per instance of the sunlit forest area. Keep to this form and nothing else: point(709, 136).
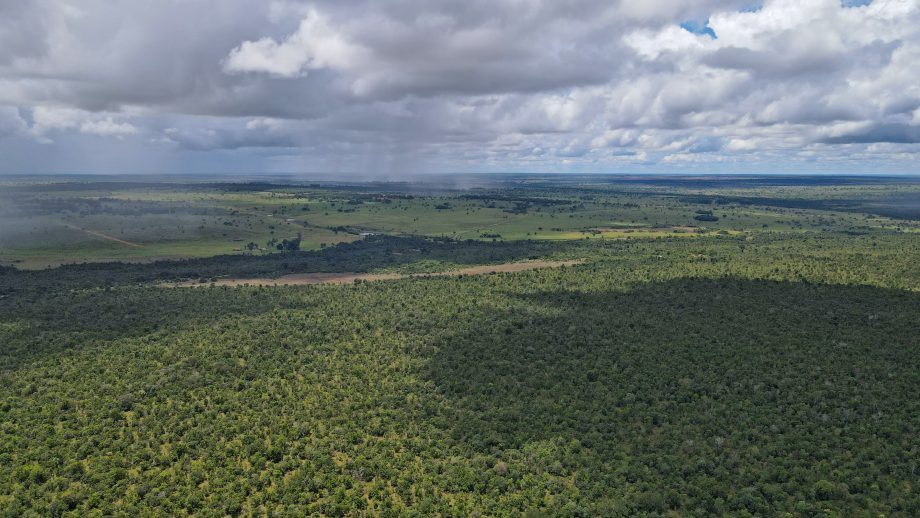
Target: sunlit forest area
point(745, 347)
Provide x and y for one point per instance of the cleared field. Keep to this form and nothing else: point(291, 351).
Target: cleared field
point(300, 279)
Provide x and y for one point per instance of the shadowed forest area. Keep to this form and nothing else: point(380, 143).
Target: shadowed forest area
point(746, 396)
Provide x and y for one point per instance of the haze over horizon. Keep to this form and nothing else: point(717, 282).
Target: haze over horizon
point(394, 87)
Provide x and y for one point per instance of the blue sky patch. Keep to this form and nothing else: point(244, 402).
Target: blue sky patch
point(696, 27)
point(751, 7)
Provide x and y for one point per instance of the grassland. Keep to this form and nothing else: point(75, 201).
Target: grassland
point(47, 224)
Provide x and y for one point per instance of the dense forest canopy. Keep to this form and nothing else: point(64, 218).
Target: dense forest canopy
point(766, 366)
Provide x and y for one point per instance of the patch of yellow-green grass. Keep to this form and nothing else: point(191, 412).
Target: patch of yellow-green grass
point(14, 326)
point(641, 233)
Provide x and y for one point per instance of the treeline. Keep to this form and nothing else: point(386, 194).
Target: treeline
point(906, 206)
point(537, 197)
point(44, 206)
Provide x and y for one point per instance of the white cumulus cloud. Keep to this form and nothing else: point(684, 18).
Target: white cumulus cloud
point(314, 45)
point(486, 85)
point(108, 127)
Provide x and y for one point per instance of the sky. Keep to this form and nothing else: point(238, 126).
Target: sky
point(392, 87)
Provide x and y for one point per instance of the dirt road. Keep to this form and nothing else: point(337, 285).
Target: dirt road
point(103, 236)
point(348, 278)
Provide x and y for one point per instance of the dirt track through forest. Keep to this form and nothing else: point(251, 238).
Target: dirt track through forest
point(299, 279)
point(103, 236)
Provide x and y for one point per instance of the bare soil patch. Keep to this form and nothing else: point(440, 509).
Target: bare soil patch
point(645, 229)
point(300, 279)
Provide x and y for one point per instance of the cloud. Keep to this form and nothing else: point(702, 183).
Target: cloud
point(740, 145)
point(46, 119)
point(108, 127)
point(889, 133)
point(19, 23)
point(11, 123)
point(483, 84)
point(705, 145)
point(314, 45)
point(259, 133)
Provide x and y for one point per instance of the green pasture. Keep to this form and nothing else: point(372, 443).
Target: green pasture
point(46, 226)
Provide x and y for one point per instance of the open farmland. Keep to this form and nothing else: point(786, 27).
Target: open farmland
point(49, 224)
